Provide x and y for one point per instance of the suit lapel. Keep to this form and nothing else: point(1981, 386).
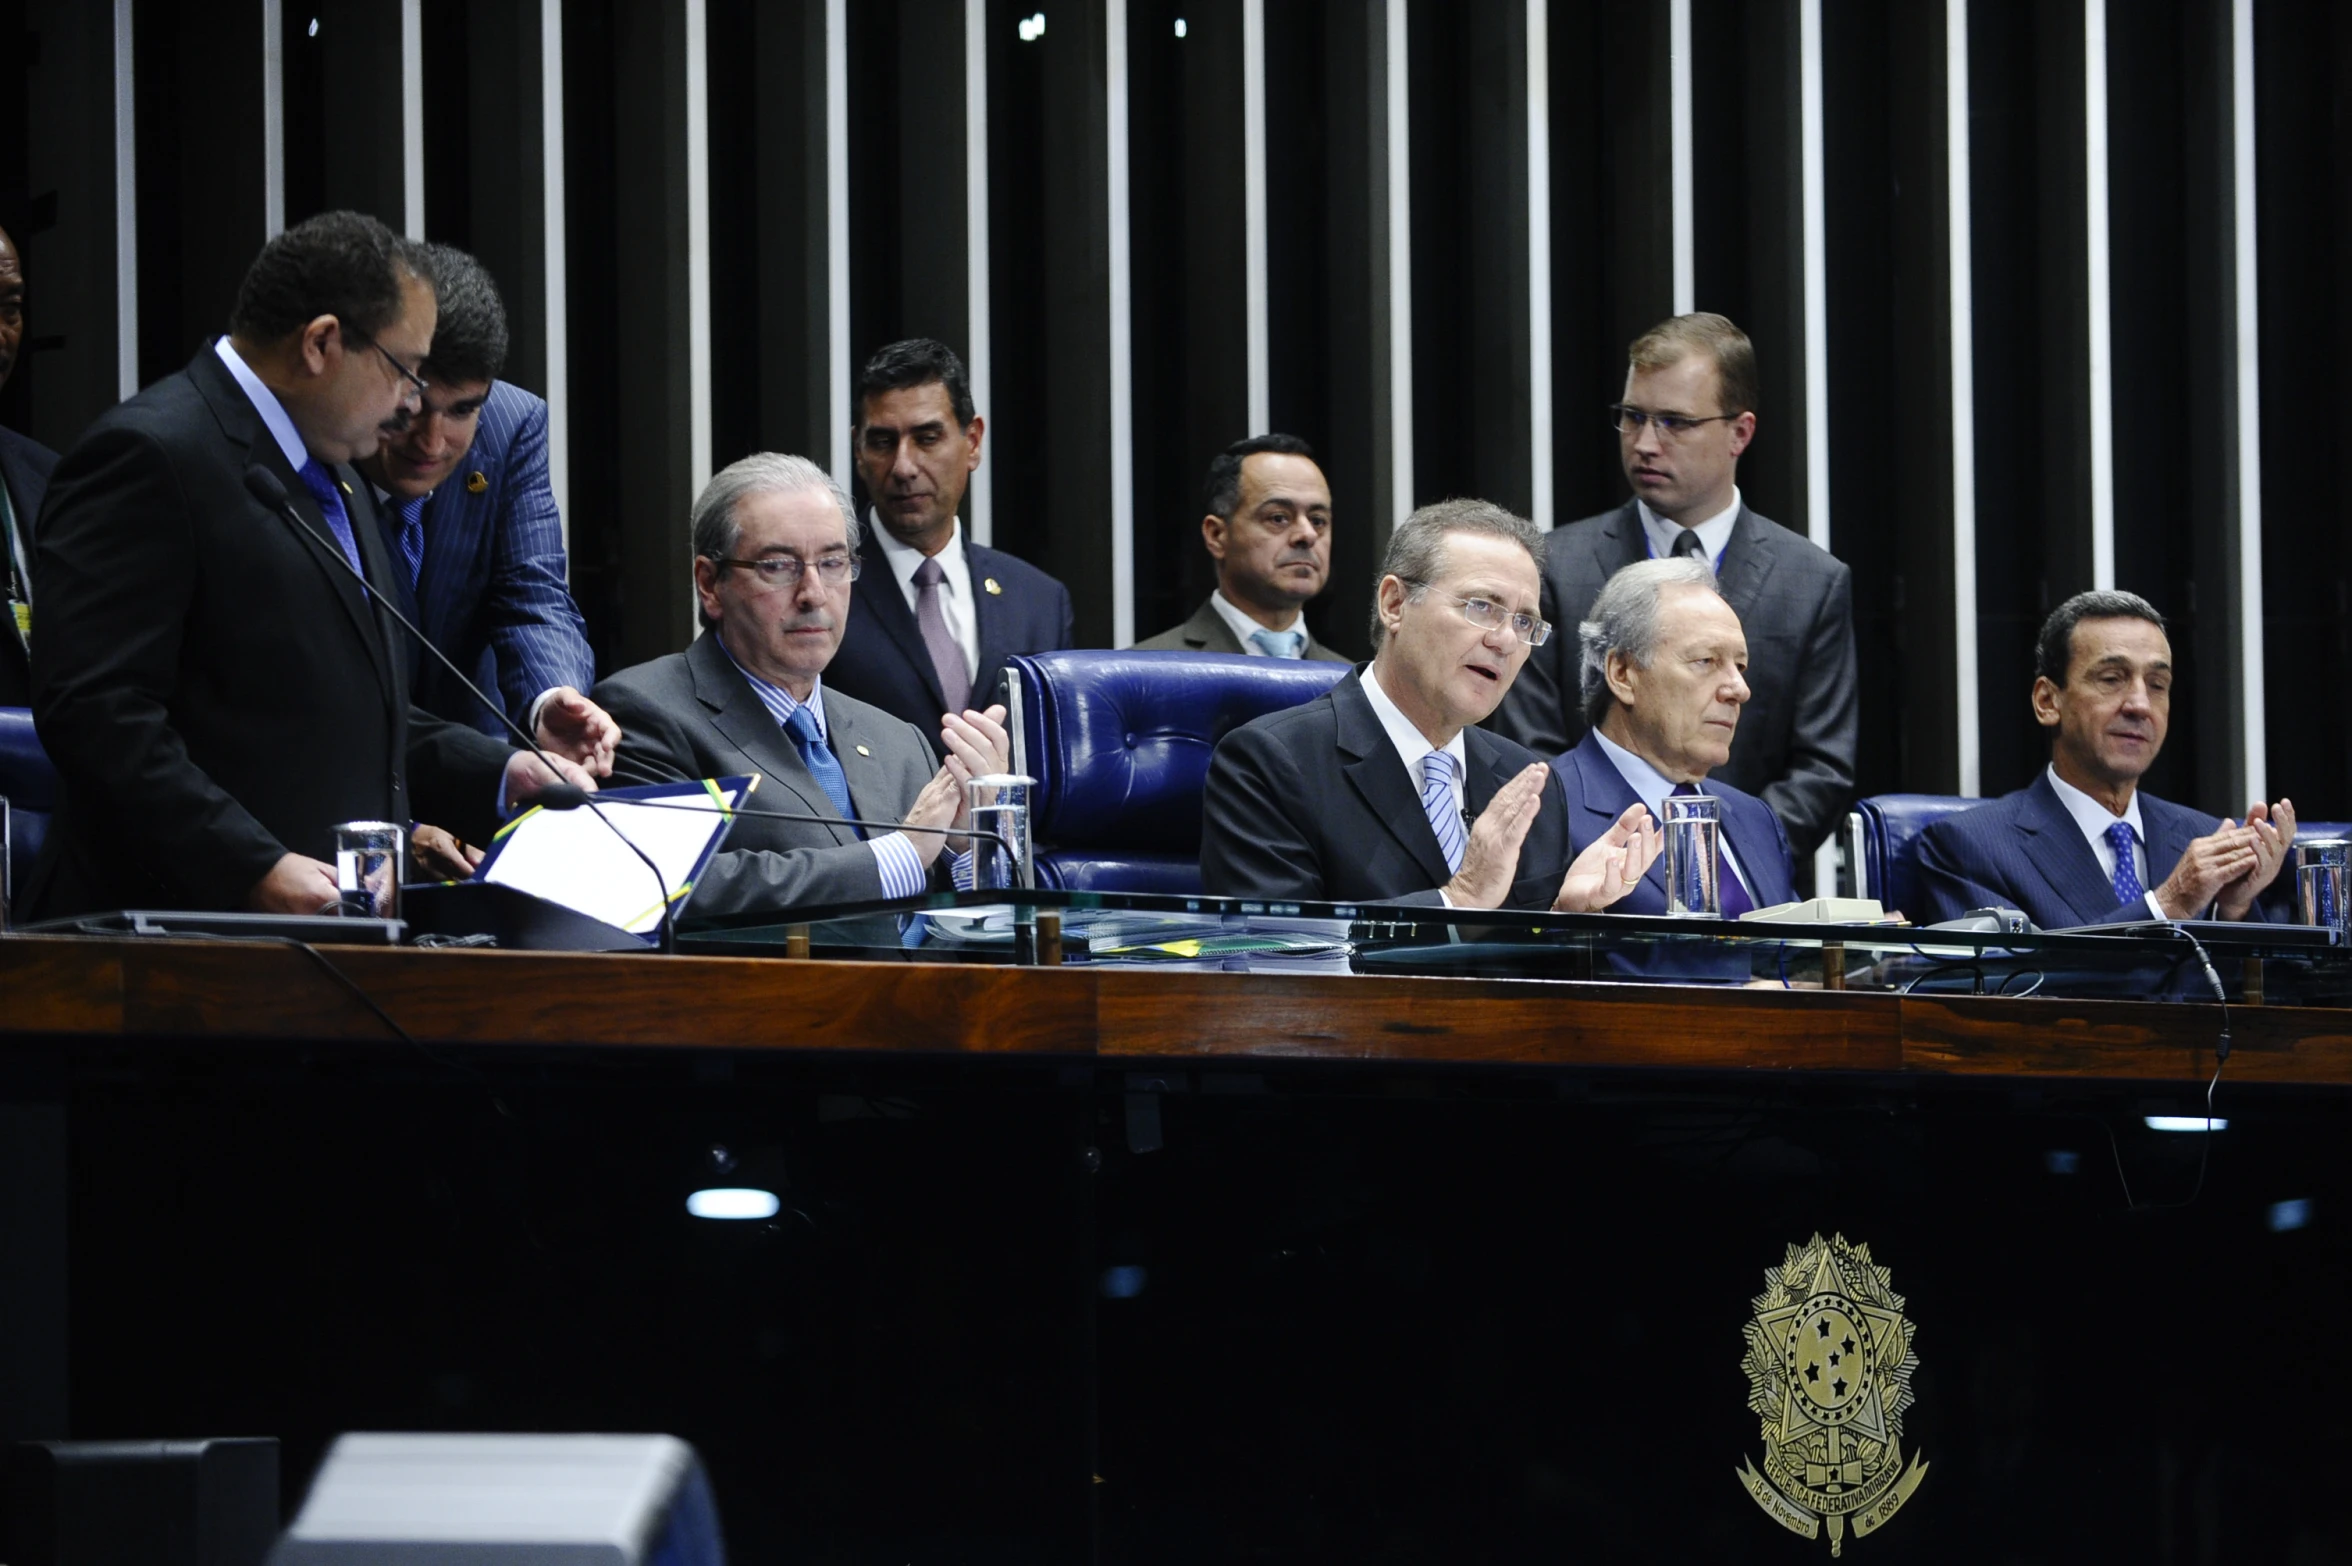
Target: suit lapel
point(1379, 779)
point(989, 612)
point(456, 526)
point(869, 785)
point(1598, 791)
point(1745, 566)
point(878, 594)
point(1208, 628)
point(2059, 853)
point(359, 509)
point(1619, 542)
point(738, 713)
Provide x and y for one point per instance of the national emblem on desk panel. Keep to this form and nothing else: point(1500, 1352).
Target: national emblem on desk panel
point(1829, 1368)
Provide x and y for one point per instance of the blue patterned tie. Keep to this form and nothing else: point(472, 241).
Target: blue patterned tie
point(1280, 644)
point(412, 539)
point(818, 757)
point(322, 487)
point(1437, 797)
point(2127, 874)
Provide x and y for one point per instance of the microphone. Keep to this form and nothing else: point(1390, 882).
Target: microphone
point(267, 488)
point(568, 796)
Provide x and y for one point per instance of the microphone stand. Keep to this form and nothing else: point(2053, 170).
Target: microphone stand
point(266, 487)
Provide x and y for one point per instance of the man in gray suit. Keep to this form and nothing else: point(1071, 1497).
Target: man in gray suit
point(1688, 413)
point(775, 551)
point(1269, 530)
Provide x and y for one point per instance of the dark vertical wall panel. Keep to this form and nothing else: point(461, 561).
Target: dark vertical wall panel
point(342, 78)
point(496, 188)
point(593, 211)
point(57, 202)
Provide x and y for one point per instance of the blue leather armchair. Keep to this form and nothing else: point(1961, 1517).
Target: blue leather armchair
point(1885, 829)
point(29, 783)
point(1119, 743)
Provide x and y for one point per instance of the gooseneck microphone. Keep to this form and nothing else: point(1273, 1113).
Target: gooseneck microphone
point(267, 488)
point(568, 796)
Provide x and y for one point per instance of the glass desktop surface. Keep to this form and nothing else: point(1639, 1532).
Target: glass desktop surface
point(2293, 964)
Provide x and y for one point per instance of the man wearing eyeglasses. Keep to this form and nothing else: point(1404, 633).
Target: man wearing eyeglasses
point(1687, 415)
point(216, 689)
point(775, 552)
point(1383, 789)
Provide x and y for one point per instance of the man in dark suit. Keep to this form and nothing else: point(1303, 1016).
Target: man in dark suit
point(24, 479)
point(479, 560)
point(1269, 530)
point(1664, 671)
point(1381, 789)
point(215, 688)
point(934, 615)
point(775, 552)
point(1688, 413)
point(2083, 844)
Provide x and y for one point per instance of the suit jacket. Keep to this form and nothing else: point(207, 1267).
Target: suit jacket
point(1312, 802)
point(24, 470)
point(213, 689)
point(491, 592)
point(2024, 851)
point(1207, 631)
point(1598, 794)
point(692, 715)
point(1796, 740)
point(884, 663)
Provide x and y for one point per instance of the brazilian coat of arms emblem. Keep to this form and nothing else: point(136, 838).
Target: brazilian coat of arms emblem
point(1829, 1366)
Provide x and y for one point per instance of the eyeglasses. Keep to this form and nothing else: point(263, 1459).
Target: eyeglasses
point(1488, 615)
point(785, 570)
point(1628, 420)
point(403, 371)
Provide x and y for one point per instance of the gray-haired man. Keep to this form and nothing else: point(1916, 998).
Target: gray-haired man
point(775, 551)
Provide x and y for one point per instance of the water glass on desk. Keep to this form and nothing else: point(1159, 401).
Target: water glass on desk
point(368, 857)
point(1692, 824)
point(2323, 877)
point(999, 803)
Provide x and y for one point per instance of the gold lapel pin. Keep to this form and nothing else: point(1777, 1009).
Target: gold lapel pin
point(343, 486)
point(863, 751)
point(990, 584)
point(476, 483)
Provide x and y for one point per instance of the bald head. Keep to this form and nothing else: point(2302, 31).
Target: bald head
point(12, 289)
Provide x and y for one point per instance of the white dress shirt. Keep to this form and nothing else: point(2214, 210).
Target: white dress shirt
point(1241, 625)
point(1714, 533)
point(955, 588)
point(1411, 745)
point(1651, 787)
point(265, 402)
point(2094, 819)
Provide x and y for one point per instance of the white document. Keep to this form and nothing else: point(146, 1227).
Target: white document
point(572, 857)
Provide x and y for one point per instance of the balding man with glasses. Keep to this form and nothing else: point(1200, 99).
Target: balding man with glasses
point(1687, 415)
point(1382, 789)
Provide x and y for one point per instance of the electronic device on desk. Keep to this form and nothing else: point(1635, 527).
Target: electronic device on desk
point(1990, 921)
point(2215, 932)
point(310, 929)
point(486, 913)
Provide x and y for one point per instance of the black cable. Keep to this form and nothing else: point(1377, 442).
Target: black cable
point(2221, 1050)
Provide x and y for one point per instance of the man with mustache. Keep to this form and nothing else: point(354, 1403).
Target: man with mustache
point(1382, 789)
point(1687, 415)
point(1664, 668)
point(24, 480)
point(934, 615)
point(2082, 844)
point(1269, 530)
point(775, 552)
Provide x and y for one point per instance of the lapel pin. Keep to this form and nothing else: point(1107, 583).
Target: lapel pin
point(993, 589)
point(339, 484)
point(861, 750)
point(476, 483)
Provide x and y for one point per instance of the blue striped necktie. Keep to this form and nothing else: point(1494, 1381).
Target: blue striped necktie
point(412, 539)
point(818, 757)
point(1437, 797)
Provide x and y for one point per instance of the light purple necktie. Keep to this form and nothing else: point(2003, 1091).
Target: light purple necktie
point(947, 654)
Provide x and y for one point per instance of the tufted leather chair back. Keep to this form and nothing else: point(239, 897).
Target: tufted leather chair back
point(29, 783)
point(1119, 743)
point(1891, 824)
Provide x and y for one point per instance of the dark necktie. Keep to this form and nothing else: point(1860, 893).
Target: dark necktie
point(324, 490)
point(1686, 545)
point(412, 539)
point(2127, 873)
point(818, 757)
point(1730, 891)
point(947, 654)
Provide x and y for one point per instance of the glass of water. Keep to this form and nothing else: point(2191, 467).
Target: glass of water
point(367, 868)
point(1692, 823)
point(999, 804)
point(2323, 876)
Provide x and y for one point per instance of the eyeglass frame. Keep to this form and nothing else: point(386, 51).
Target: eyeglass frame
point(1670, 426)
point(413, 377)
point(1542, 627)
point(782, 579)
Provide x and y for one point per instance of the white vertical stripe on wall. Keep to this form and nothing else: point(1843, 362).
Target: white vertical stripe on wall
point(1960, 264)
point(1678, 72)
point(558, 287)
point(977, 495)
point(1815, 248)
point(1122, 343)
point(698, 306)
point(1253, 213)
point(126, 208)
point(273, 120)
point(1400, 261)
point(837, 232)
point(2254, 736)
point(1539, 260)
point(412, 117)
point(2097, 306)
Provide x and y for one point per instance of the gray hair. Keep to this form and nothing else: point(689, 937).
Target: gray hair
point(715, 528)
point(1625, 619)
point(1416, 550)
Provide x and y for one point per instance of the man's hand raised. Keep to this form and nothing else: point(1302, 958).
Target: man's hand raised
point(2273, 833)
point(1611, 864)
point(2224, 855)
point(1490, 860)
point(575, 728)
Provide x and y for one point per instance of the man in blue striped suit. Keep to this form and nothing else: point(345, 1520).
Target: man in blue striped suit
point(470, 522)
